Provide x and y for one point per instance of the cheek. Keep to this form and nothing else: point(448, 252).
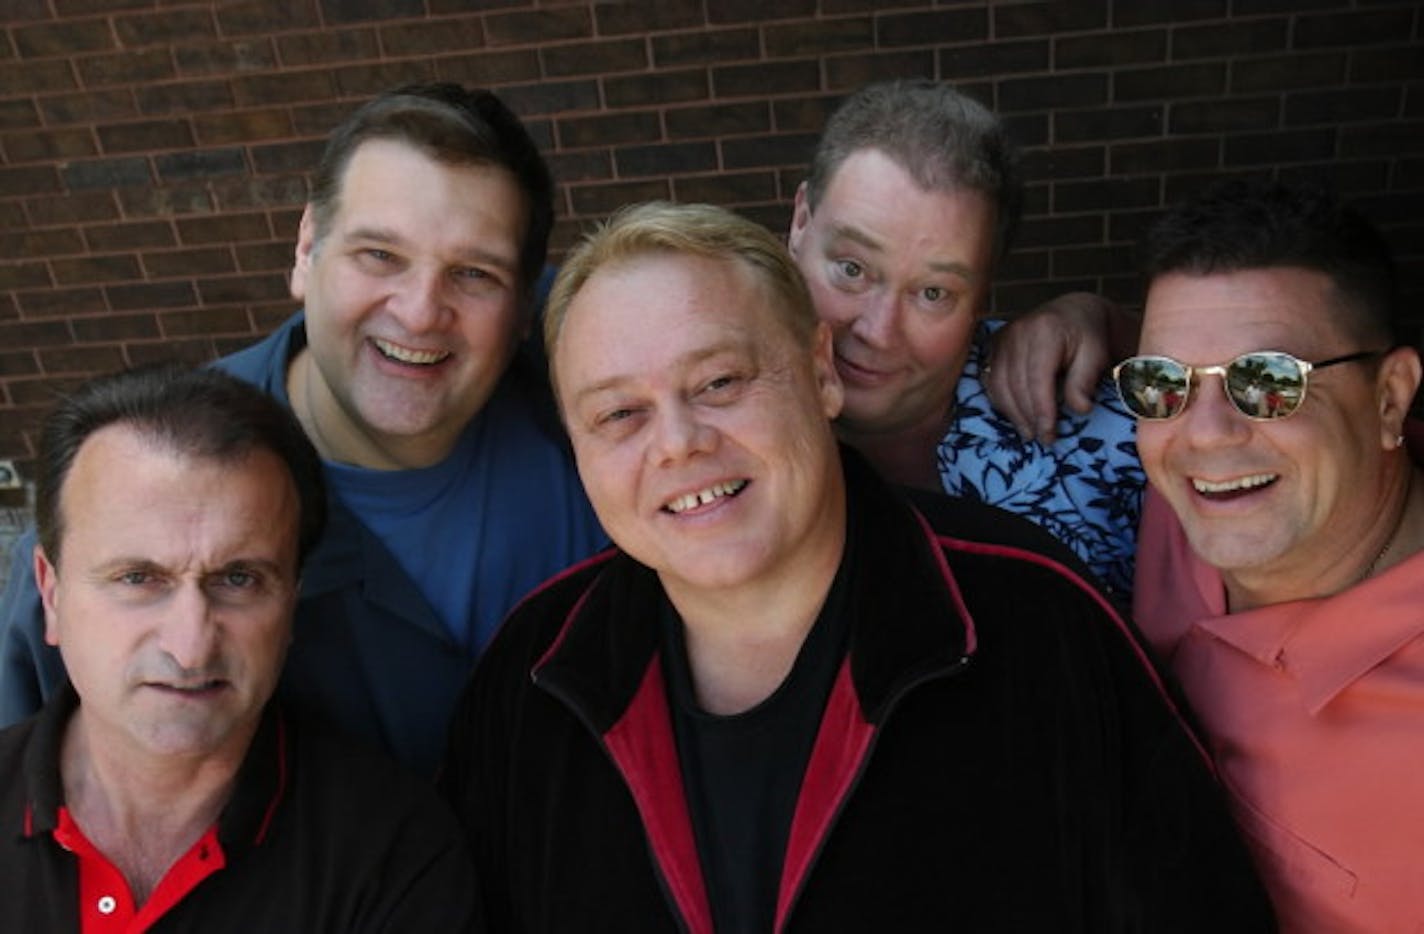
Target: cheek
point(941, 347)
point(833, 306)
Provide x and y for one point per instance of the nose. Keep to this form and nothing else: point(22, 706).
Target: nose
point(680, 433)
point(418, 301)
point(1210, 419)
point(878, 322)
point(189, 632)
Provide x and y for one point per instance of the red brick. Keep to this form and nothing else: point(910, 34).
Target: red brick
point(807, 114)
point(823, 37)
point(50, 303)
point(242, 126)
point(1110, 49)
point(980, 60)
point(129, 235)
point(288, 87)
point(665, 159)
point(229, 228)
point(146, 136)
point(100, 329)
point(620, 18)
point(1176, 155)
point(550, 97)
point(268, 191)
point(1237, 37)
point(429, 37)
point(735, 11)
point(327, 46)
point(1048, 16)
point(194, 351)
point(24, 275)
point(68, 37)
point(777, 150)
point(726, 187)
point(483, 69)
point(1287, 72)
point(167, 201)
point(1357, 28)
point(119, 267)
point(762, 79)
point(582, 166)
point(207, 261)
point(1066, 162)
point(287, 157)
point(227, 290)
point(36, 244)
point(661, 87)
point(937, 28)
point(715, 47)
point(17, 114)
point(348, 11)
point(34, 334)
point(184, 98)
point(205, 321)
point(83, 361)
point(236, 17)
point(128, 67)
point(583, 58)
point(718, 120)
point(636, 127)
point(1221, 116)
point(264, 257)
point(602, 200)
point(205, 163)
point(225, 57)
point(43, 390)
point(72, 208)
point(164, 28)
point(36, 146)
point(369, 80)
point(88, 107)
point(145, 296)
point(538, 26)
point(18, 363)
point(35, 77)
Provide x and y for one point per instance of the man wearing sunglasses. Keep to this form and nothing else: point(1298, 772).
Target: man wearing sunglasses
point(1280, 572)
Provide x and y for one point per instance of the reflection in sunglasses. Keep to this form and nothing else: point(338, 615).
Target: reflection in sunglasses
point(1263, 384)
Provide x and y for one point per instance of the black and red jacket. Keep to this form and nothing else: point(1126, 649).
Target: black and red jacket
point(995, 755)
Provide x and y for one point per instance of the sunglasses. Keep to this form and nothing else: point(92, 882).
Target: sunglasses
point(1261, 385)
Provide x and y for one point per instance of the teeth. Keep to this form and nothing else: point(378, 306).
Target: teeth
point(703, 497)
point(1228, 486)
point(409, 355)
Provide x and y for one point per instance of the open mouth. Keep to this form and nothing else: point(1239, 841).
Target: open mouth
point(702, 497)
point(1237, 486)
point(408, 355)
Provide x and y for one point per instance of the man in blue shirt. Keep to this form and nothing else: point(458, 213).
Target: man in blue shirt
point(452, 492)
point(911, 201)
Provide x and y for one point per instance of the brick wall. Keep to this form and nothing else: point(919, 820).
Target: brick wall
point(153, 153)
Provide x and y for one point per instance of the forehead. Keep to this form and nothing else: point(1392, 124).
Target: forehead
point(123, 481)
point(643, 314)
point(1216, 316)
point(871, 194)
point(385, 176)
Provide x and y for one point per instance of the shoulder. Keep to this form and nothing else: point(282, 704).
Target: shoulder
point(267, 358)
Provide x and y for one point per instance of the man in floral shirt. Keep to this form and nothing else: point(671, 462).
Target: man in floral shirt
point(911, 200)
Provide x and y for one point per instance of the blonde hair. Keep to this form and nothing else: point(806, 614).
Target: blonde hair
point(661, 227)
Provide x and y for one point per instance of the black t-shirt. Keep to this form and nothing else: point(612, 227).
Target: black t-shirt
point(743, 772)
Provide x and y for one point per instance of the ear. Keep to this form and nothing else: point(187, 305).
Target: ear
point(828, 381)
point(1395, 386)
point(306, 247)
point(47, 580)
point(800, 219)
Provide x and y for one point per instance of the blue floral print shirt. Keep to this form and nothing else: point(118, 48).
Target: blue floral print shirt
point(1086, 489)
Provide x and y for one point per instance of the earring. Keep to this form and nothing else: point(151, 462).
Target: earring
point(1399, 441)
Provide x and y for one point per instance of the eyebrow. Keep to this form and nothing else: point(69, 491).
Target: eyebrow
point(468, 254)
point(691, 359)
point(857, 235)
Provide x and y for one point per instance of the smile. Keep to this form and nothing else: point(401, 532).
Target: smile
point(409, 355)
point(1239, 484)
point(703, 497)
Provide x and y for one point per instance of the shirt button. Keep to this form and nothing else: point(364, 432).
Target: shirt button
point(107, 905)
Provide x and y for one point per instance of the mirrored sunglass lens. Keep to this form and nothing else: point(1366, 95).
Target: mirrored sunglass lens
point(1265, 385)
point(1152, 387)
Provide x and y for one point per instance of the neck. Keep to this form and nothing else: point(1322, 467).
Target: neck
point(905, 456)
point(339, 438)
point(142, 811)
point(743, 641)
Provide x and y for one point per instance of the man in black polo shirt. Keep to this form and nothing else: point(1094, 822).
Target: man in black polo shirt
point(174, 508)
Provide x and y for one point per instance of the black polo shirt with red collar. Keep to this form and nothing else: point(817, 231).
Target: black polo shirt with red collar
point(318, 836)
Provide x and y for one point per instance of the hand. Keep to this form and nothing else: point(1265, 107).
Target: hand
point(1066, 339)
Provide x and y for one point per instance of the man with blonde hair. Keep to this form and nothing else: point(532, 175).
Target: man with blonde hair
point(787, 700)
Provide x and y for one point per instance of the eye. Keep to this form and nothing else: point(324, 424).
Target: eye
point(849, 268)
point(135, 578)
point(471, 272)
point(239, 579)
point(934, 293)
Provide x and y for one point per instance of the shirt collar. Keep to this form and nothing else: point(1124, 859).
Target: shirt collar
point(1327, 643)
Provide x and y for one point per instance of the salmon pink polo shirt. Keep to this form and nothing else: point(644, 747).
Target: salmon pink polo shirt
point(1314, 713)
